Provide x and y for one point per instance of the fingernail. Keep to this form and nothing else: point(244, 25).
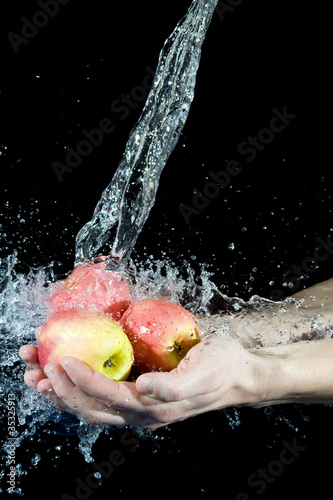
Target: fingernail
point(146, 385)
point(23, 355)
point(49, 373)
point(65, 366)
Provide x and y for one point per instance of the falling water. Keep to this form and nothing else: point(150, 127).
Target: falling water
point(125, 204)
point(117, 220)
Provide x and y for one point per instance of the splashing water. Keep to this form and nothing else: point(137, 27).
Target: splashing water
point(126, 202)
point(23, 307)
point(118, 218)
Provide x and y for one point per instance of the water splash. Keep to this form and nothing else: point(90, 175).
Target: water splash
point(124, 206)
point(23, 307)
point(123, 210)
point(126, 203)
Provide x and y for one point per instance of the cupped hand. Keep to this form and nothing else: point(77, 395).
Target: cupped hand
point(215, 374)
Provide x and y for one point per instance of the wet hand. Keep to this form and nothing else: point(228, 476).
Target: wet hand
point(34, 376)
point(215, 374)
point(29, 354)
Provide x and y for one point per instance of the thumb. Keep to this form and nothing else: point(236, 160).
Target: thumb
point(176, 385)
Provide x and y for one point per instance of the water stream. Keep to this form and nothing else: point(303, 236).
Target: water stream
point(126, 203)
point(116, 224)
point(117, 221)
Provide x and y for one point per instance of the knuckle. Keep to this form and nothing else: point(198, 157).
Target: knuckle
point(165, 416)
point(61, 395)
point(93, 420)
point(173, 394)
point(28, 378)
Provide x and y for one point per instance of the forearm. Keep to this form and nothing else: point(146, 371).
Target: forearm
point(300, 372)
point(308, 315)
point(318, 299)
point(269, 324)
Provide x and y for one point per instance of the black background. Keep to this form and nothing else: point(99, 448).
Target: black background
point(261, 56)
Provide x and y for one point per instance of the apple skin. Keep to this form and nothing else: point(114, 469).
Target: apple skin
point(91, 286)
point(93, 337)
point(161, 334)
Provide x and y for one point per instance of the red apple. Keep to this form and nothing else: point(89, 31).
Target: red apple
point(92, 286)
point(90, 336)
point(161, 333)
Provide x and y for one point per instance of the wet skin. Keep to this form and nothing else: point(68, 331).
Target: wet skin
point(221, 371)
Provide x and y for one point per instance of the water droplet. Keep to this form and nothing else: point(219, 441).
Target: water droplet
point(35, 459)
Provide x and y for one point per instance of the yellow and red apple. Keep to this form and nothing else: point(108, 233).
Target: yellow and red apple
point(93, 337)
point(161, 333)
point(92, 286)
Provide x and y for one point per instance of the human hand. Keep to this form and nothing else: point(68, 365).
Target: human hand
point(215, 374)
point(29, 354)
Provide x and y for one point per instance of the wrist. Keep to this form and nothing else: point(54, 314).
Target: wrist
point(266, 385)
point(259, 379)
point(300, 372)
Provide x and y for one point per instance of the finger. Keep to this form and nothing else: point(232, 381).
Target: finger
point(67, 396)
point(177, 385)
point(64, 393)
point(29, 354)
point(97, 385)
point(196, 375)
point(46, 389)
point(75, 400)
point(33, 376)
point(38, 331)
point(121, 395)
point(61, 384)
point(116, 403)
